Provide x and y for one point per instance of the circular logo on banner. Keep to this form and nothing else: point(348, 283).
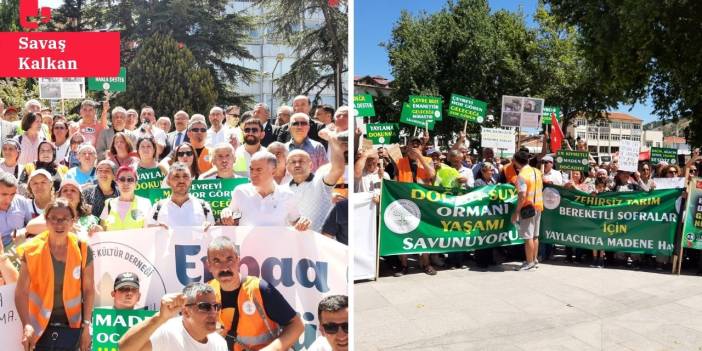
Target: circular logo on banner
point(437, 114)
point(105, 86)
point(381, 140)
point(76, 272)
point(136, 214)
point(249, 308)
point(585, 162)
point(355, 112)
point(402, 216)
point(559, 159)
point(479, 119)
point(551, 198)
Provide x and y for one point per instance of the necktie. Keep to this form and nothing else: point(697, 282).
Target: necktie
point(178, 139)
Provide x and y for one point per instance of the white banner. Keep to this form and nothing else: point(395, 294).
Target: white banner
point(364, 236)
point(61, 88)
point(521, 111)
point(669, 183)
point(303, 266)
point(498, 139)
point(629, 156)
point(10, 324)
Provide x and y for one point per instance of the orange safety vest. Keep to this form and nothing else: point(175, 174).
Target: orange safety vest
point(204, 160)
point(255, 329)
point(404, 172)
point(535, 186)
point(510, 174)
point(41, 287)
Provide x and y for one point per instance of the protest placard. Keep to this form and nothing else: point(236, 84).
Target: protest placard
point(363, 103)
point(110, 324)
point(407, 118)
point(426, 107)
point(669, 183)
point(10, 324)
point(469, 109)
point(548, 111)
point(217, 192)
point(521, 111)
point(498, 139)
point(111, 84)
point(61, 88)
point(394, 152)
point(629, 156)
point(692, 227)
point(569, 160)
point(658, 154)
point(382, 133)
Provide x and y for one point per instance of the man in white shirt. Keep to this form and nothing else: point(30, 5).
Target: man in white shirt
point(262, 202)
point(551, 176)
point(181, 209)
point(218, 133)
point(194, 330)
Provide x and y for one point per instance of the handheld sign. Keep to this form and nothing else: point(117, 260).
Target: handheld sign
point(109, 325)
point(498, 139)
point(469, 109)
point(568, 160)
point(426, 107)
point(111, 84)
point(364, 105)
point(692, 227)
point(658, 154)
point(382, 133)
point(408, 118)
point(629, 156)
point(548, 110)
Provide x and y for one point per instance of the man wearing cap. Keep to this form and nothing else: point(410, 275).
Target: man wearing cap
point(105, 189)
point(126, 291)
point(551, 176)
point(40, 190)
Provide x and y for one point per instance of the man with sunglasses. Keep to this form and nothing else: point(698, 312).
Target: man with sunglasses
point(197, 132)
point(299, 130)
point(195, 329)
point(126, 291)
point(254, 313)
point(333, 314)
point(253, 133)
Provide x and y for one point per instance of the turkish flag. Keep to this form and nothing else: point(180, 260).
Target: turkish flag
point(556, 134)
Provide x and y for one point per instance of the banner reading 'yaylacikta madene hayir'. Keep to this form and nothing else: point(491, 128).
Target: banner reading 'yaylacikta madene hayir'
point(636, 222)
point(416, 218)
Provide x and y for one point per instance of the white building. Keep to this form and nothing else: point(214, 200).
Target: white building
point(605, 136)
point(268, 48)
point(652, 138)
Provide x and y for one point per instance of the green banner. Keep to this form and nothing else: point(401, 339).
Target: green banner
point(659, 154)
point(364, 105)
point(692, 228)
point(637, 222)
point(147, 179)
point(109, 325)
point(407, 118)
point(217, 192)
point(426, 107)
point(470, 109)
point(383, 133)
point(111, 84)
point(569, 160)
point(416, 218)
point(546, 114)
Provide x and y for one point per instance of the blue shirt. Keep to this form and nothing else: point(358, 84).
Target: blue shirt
point(82, 178)
point(16, 217)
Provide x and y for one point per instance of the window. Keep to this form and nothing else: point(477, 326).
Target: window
point(649, 144)
point(581, 135)
point(636, 137)
point(580, 122)
point(615, 149)
point(626, 125)
point(616, 125)
point(604, 136)
point(592, 136)
point(615, 137)
point(603, 149)
point(637, 126)
point(626, 137)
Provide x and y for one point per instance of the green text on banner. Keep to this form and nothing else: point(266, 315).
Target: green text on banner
point(109, 325)
point(569, 160)
point(426, 107)
point(363, 103)
point(217, 192)
point(147, 179)
point(407, 118)
point(636, 222)
point(416, 218)
point(111, 84)
point(548, 110)
point(658, 154)
point(692, 228)
point(470, 109)
point(382, 133)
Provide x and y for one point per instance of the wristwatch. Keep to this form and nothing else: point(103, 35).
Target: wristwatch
point(87, 322)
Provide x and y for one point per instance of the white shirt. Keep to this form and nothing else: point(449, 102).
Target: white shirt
point(172, 336)
point(320, 344)
point(278, 209)
point(156, 132)
point(313, 198)
point(189, 215)
point(213, 138)
point(468, 173)
point(554, 176)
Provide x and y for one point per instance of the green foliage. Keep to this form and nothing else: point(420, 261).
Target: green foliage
point(9, 16)
point(644, 48)
point(16, 91)
point(321, 49)
point(168, 78)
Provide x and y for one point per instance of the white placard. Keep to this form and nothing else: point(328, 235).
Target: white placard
point(629, 156)
point(364, 236)
point(521, 111)
point(61, 88)
point(669, 183)
point(10, 324)
point(498, 139)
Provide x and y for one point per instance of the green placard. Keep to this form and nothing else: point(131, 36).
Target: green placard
point(111, 84)
point(659, 154)
point(470, 109)
point(364, 105)
point(109, 325)
point(407, 118)
point(692, 228)
point(217, 192)
point(546, 115)
point(148, 179)
point(426, 107)
point(417, 218)
point(568, 160)
point(636, 222)
point(382, 133)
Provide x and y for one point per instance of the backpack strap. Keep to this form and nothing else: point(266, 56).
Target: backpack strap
point(158, 209)
point(205, 209)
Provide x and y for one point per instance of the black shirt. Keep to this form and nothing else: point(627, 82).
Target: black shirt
point(337, 222)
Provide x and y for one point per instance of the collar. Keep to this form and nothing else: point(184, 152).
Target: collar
point(302, 144)
point(309, 179)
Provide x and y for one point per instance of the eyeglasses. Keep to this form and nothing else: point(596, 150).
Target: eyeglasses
point(59, 127)
point(128, 289)
point(206, 306)
point(198, 130)
point(333, 328)
point(76, 142)
point(126, 180)
point(56, 220)
point(251, 130)
point(184, 153)
point(88, 153)
point(233, 115)
point(299, 124)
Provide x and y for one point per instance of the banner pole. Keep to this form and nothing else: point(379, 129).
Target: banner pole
point(63, 107)
point(677, 265)
point(519, 140)
point(465, 126)
point(377, 231)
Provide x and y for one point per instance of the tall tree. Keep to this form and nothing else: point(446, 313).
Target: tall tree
point(644, 48)
point(167, 77)
point(9, 16)
point(321, 48)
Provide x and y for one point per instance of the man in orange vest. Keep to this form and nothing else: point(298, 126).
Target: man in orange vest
point(254, 314)
point(530, 204)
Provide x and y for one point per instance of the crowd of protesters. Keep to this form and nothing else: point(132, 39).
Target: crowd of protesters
point(423, 163)
point(62, 181)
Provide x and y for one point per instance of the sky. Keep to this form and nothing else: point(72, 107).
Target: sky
point(374, 20)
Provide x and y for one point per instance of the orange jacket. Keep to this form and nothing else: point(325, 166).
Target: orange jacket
point(404, 172)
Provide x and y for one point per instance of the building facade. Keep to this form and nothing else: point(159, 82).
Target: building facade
point(606, 135)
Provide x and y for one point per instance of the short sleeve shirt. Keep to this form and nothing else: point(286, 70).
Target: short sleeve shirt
point(275, 210)
point(313, 199)
point(190, 214)
point(173, 336)
point(16, 217)
point(91, 132)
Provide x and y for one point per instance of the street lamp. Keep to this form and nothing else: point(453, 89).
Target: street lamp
point(278, 59)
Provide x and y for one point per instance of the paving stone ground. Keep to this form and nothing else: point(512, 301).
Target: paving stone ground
point(556, 307)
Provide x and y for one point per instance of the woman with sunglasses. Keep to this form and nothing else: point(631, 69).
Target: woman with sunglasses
point(185, 153)
point(85, 223)
point(46, 161)
point(59, 135)
point(121, 151)
point(71, 159)
point(62, 303)
point(150, 173)
point(128, 210)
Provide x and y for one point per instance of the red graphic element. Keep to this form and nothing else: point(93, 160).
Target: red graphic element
point(59, 54)
point(698, 185)
point(30, 8)
point(556, 134)
point(333, 3)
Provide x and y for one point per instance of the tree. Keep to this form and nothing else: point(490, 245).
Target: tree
point(321, 49)
point(168, 78)
point(9, 16)
point(644, 48)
